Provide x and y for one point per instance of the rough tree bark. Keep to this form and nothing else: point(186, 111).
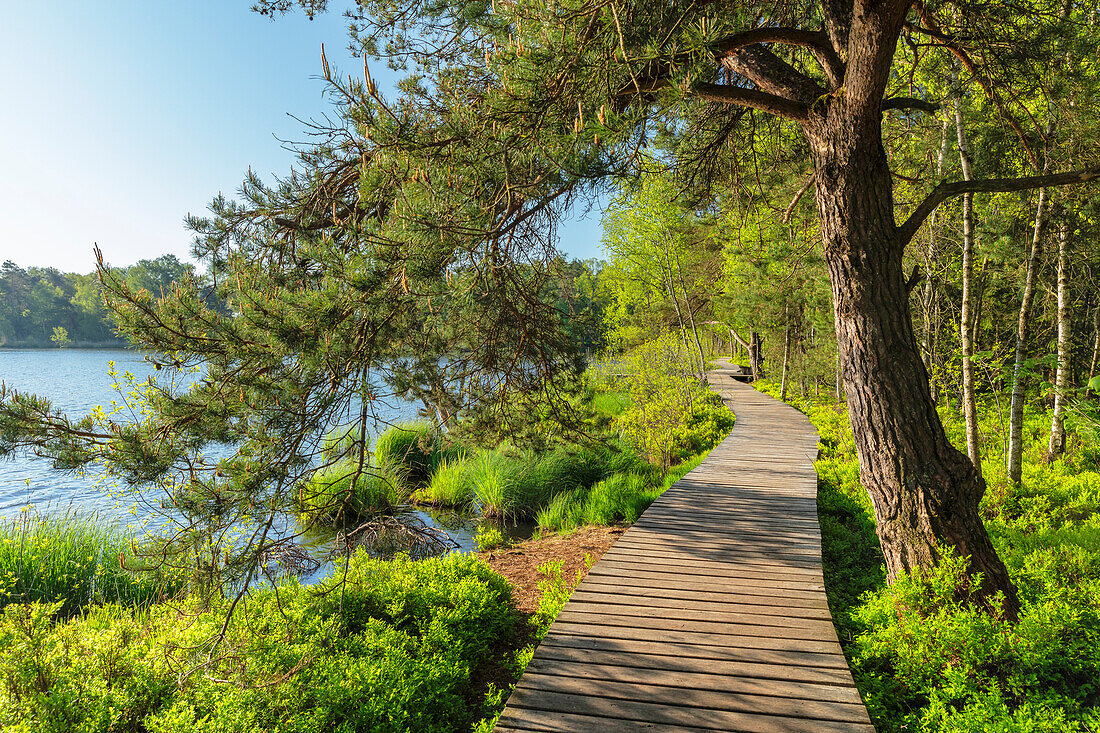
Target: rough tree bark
point(925, 493)
point(1057, 445)
point(967, 320)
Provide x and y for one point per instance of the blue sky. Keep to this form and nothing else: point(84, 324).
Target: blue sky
point(115, 123)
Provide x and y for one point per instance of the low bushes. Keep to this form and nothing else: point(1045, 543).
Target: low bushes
point(391, 646)
point(925, 654)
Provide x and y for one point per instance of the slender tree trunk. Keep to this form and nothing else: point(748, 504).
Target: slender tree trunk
point(786, 361)
point(679, 314)
point(691, 319)
point(925, 493)
point(1015, 464)
point(756, 358)
point(966, 320)
point(1061, 380)
point(929, 291)
point(1095, 345)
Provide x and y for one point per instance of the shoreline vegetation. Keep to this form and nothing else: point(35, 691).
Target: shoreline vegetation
point(94, 637)
point(43, 308)
point(421, 638)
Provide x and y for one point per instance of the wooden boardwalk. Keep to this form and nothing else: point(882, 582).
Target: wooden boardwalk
point(709, 613)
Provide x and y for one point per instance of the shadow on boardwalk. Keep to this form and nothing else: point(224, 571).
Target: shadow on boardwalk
point(709, 613)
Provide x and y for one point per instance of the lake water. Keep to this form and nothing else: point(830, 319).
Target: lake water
point(76, 380)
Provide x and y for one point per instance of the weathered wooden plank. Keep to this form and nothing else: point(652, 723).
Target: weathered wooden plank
point(590, 627)
point(764, 616)
point(639, 657)
point(661, 645)
point(748, 628)
point(707, 593)
point(662, 715)
point(810, 581)
point(703, 681)
point(583, 595)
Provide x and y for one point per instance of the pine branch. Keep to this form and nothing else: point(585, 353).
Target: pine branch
point(945, 190)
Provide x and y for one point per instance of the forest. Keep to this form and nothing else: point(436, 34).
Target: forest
point(887, 211)
point(37, 301)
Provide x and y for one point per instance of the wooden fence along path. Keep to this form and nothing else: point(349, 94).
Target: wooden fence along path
point(709, 613)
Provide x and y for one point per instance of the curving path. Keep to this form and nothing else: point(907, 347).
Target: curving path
point(709, 613)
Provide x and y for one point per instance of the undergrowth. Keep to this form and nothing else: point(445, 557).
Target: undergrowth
point(925, 654)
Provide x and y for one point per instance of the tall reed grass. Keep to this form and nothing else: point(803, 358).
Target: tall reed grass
point(343, 492)
point(74, 558)
point(451, 484)
point(412, 448)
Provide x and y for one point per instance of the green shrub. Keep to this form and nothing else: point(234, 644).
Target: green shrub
point(408, 652)
point(74, 559)
point(925, 655)
point(932, 659)
point(489, 537)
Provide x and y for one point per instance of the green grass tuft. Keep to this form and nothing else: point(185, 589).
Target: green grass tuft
point(451, 484)
point(74, 559)
point(329, 494)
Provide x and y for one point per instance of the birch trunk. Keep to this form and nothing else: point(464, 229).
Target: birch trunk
point(1015, 464)
point(1057, 444)
point(966, 320)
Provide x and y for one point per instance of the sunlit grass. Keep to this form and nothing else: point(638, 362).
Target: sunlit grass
point(73, 558)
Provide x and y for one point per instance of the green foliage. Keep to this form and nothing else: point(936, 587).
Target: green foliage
point(73, 560)
point(414, 447)
point(40, 305)
point(493, 485)
point(451, 484)
point(60, 337)
point(926, 655)
point(611, 404)
point(489, 537)
point(344, 491)
point(933, 659)
point(671, 415)
point(622, 497)
point(392, 646)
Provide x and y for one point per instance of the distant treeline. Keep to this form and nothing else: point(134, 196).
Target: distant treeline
point(37, 301)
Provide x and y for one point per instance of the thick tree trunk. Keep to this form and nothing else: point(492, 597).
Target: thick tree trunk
point(1057, 444)
point(1014, 460)
point(925, 493)
point(966, 320)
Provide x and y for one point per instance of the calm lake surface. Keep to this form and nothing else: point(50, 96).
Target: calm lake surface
point(76, 380)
